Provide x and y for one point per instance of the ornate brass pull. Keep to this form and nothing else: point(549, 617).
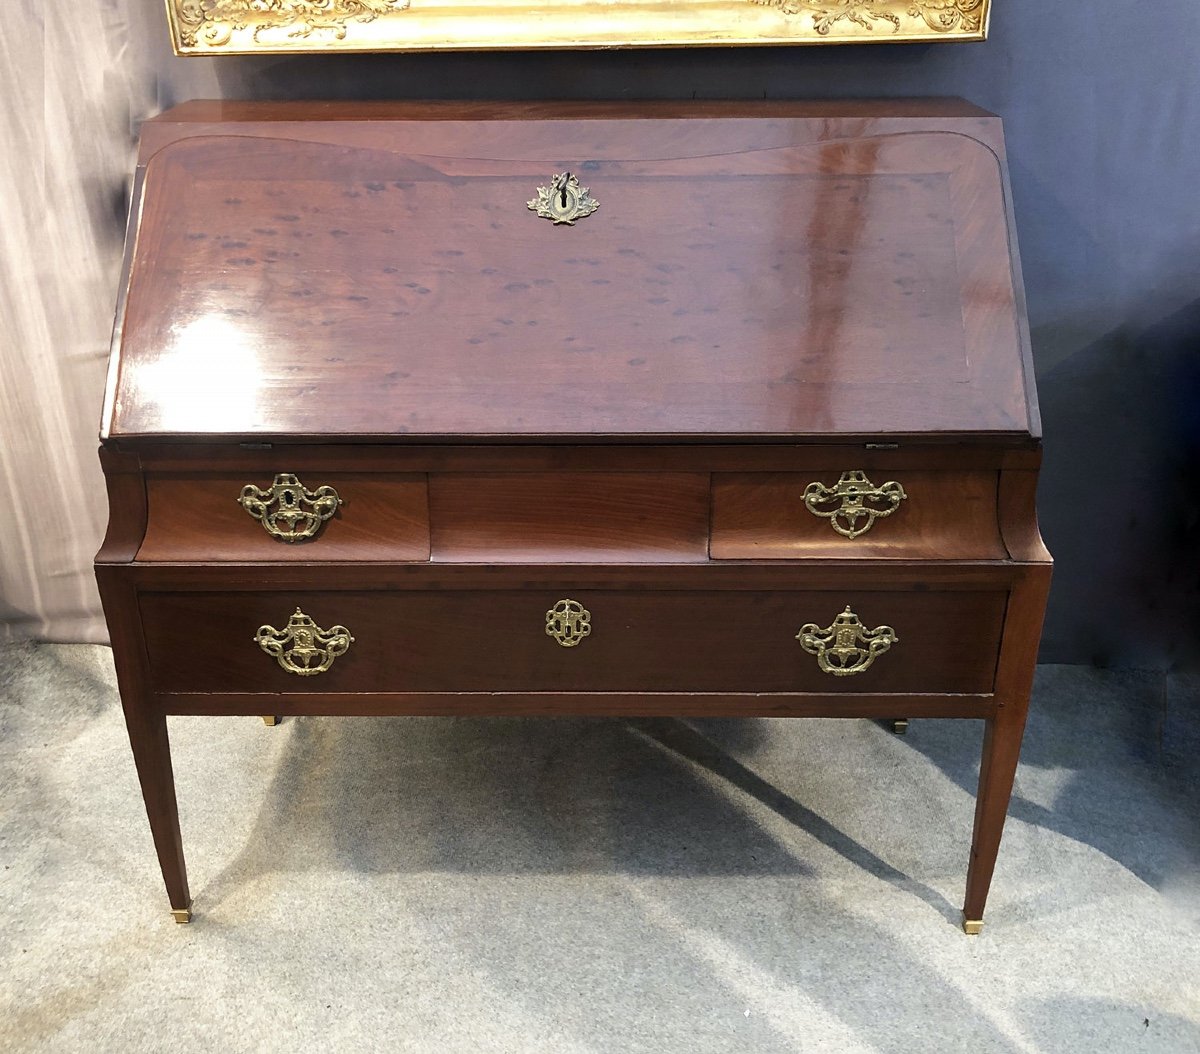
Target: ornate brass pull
point(852, 498)
point(303, 648)
point(847, 647)
point(290, 511)
point(563, 201)
point(568, 622)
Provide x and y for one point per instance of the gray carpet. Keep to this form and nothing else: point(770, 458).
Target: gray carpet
point(569, 886)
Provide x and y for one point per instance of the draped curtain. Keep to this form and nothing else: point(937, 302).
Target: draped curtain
point(76, 79)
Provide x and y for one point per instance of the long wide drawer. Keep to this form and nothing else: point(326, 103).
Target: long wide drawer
point(574, 640)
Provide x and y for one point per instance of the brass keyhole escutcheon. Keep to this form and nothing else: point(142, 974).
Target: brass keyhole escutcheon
point(288, 510)
point(302, 647)
point(568, 622)
point(563, 201)
point(846, 647)
point(854, 503)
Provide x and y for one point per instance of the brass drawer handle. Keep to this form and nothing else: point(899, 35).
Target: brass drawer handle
point(290, 511)
point(563, 201)
point(303, 648)
point(568, 622)
point(852, 498)
point(847, 647)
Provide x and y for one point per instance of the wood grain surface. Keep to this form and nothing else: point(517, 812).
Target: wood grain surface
point(945, 516)
point(654, 641)
point(788, 285)
point(579, 704)
point(563, 517)
point(197, 517)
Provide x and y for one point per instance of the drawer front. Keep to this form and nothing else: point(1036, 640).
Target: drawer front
point(599, 640)
point(899, 514)
point(566, 517)
point(294, 516)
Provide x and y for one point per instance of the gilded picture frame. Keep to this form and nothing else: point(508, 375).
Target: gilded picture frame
point(239, 27)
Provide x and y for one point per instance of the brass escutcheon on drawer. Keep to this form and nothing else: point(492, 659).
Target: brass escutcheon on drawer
point(289, 511)
point(302, 647)
point(853, 499)
point(568, 622)
point(846, 647)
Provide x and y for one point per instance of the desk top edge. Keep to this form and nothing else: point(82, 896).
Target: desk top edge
point(207, 111)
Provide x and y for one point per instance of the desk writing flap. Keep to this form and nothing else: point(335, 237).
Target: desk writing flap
point(287, 286)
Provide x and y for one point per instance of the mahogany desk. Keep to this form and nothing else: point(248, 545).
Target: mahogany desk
point(693, 410)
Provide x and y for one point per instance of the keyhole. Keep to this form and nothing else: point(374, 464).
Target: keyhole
point(562, 186)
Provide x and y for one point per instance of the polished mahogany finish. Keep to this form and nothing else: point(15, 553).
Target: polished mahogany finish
point(384, 516)
point(944, 516)
point(617, 420)
point(648, 640)
point(823, 279)
point(564, 517)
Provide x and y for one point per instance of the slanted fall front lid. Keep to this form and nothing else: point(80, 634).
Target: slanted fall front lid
point(741, 277)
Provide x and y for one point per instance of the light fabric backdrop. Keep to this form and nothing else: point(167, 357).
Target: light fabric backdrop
point(75, 80)
point(1102, 111)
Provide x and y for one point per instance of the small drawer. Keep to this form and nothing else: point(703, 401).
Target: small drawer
point(575, 640)
point(897, 514)
point(286, 516)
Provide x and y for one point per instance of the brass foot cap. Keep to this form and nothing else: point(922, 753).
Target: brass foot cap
point(972, 926)
point(900, 726)
point(182, 915)
point(270, 721)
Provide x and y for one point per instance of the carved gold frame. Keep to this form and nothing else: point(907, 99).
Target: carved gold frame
point(240, 27)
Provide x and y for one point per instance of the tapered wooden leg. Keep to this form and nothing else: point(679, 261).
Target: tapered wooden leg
point(1014, 683)
point(147, 726)
point(152, 756)
point(998, 767)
